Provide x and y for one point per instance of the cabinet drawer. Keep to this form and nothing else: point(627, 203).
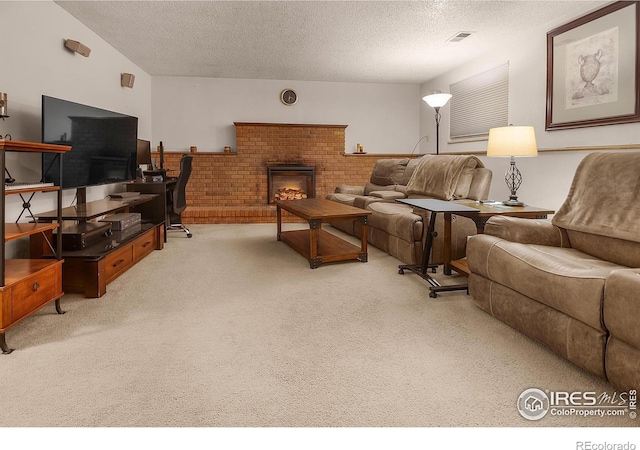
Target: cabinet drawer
point(36, 290)
point(144, 245)
point(118, 261)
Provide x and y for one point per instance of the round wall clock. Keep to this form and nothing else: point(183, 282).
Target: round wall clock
point(288, 97)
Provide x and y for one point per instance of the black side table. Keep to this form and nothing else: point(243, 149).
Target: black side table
point(435, 207)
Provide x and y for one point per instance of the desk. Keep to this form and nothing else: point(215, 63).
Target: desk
point(479, 213)
point(435, 207)
point(157, 210)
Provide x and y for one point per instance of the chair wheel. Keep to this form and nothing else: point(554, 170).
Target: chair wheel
point(433, 294)
point(189, 235)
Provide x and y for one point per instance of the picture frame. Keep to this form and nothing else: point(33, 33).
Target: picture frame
point(593, 69)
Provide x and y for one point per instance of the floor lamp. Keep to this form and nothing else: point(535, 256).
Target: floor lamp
point(437, 100)
point(512, 141)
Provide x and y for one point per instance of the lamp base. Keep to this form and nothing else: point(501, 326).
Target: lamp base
point(512, 203)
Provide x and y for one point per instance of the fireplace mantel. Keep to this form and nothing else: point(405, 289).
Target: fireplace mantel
point(260, 124)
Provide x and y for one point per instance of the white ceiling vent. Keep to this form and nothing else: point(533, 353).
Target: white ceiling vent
point(460, 36)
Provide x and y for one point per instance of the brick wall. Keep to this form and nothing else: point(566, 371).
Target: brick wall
point(232, 187)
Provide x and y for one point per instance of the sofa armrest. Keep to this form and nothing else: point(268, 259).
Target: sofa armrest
point(526, 231)
point(346, 189)
point(388, 196)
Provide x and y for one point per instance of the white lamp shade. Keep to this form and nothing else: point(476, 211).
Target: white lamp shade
point(512, 141)
point(437, 100)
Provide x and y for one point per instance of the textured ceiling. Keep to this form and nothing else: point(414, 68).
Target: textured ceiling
point(358, 41)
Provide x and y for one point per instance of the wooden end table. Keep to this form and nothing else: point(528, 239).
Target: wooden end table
point(485, 212)
point(316, 244)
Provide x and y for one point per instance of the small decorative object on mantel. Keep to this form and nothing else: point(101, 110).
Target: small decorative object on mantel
point(193, 149)
point(3, 105)
point(227, 149)
point(360, 149)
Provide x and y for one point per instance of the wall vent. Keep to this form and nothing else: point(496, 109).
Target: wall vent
point(460, 36)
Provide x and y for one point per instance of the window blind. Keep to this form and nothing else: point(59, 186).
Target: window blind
point(479, 103)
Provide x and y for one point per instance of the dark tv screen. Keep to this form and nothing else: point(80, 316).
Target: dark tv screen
point(103, 144)
point(144, 152)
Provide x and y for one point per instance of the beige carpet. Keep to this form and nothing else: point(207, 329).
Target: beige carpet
point(232, 328)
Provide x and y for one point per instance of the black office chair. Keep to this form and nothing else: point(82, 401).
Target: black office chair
point(177, 201)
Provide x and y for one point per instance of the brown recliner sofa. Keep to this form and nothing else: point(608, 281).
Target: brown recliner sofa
point(399, 229)
point(573, 283)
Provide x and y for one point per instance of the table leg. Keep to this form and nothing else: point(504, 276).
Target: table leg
point(422, 269)
point(426, 253)
point(279, 220)
point(314, 226)
point(446, 267)
point(363, 256)
point(3, 345)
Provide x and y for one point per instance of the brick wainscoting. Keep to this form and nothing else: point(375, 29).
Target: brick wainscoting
point(232, 187)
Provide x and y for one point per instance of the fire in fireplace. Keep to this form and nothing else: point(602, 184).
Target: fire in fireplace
point(291, 182)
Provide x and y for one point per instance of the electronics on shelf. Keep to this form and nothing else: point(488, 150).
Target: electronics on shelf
point(155, 174)
point(124, 194)
point(84, 234)
point(123, 221)
point(17, 185)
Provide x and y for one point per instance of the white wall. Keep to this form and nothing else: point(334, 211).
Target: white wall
point(546, 178)
point(41, 65)
point(384, 118)
point(34, 61)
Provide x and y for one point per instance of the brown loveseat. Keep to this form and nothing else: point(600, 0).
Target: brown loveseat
point(399, 229)
point(573, 283)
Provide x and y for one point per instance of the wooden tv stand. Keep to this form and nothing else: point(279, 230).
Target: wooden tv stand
point(91, 269)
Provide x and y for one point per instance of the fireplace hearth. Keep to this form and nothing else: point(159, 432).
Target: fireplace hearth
point(290, 182)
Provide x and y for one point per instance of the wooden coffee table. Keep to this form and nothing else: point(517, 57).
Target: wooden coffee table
point(315, 244)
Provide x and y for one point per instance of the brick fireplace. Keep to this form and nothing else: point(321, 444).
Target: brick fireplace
point(233, 187)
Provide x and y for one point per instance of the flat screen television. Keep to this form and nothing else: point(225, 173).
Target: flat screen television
point(103, 144)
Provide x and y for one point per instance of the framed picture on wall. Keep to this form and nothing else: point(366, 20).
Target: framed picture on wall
point(593, 69)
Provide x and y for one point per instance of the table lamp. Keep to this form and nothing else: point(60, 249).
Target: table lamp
point(437, 100)
point(512, 141)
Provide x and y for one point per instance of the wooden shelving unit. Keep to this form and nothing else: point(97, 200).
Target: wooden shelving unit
point(26, 285)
